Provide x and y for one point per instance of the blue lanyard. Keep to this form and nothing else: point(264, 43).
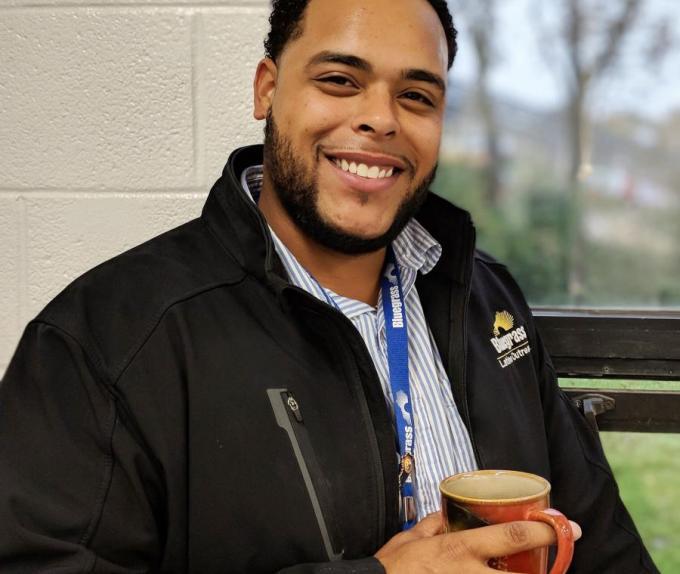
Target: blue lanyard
point(396, 329)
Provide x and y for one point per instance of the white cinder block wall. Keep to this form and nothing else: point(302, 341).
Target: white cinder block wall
point(116, 116)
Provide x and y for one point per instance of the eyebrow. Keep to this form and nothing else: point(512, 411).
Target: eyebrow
point(327, 57)
point(424, 76)
point(413, 74)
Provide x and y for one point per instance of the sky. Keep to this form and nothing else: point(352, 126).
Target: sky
point(527, 72)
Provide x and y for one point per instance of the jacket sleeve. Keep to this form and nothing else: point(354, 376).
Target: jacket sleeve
point(584, 488)
point(62, 491)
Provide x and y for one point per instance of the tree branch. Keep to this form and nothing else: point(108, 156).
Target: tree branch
point(617, 32)
point(574, 36)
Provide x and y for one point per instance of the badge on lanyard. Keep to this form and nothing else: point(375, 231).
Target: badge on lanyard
point(407, 504)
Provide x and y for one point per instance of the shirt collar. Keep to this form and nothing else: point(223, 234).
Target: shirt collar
point(251, 181)
point(416, 249)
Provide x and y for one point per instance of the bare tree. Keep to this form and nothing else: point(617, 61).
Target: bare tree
point(481, 18)
point(591, 33)
point(584, 71)
point(581, 25)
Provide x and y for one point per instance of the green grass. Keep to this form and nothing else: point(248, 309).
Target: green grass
point(647, 468)
point(621, 384)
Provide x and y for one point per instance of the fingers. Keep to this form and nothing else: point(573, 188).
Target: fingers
point(428, 527)
point(510, 538)
point(431, 525)
point(502, 539)
point(576, 530)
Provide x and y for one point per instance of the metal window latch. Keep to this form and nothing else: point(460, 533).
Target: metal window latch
point(592, 405)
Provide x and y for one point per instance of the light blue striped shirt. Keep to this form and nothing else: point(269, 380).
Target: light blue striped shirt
point(442, 445)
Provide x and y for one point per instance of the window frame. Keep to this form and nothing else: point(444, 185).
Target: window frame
point(611, 344)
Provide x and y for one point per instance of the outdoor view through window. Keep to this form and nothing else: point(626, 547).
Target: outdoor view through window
point(563, 139)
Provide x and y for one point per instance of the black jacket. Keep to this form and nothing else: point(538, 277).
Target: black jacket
point(183, 407)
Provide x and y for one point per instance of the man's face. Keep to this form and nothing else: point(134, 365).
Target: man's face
point(354, 119)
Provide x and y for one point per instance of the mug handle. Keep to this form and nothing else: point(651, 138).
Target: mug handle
point(565, 536)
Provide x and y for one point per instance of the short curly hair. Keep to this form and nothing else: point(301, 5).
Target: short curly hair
point(286, 17)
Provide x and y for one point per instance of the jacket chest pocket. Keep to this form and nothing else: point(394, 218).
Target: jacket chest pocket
point(289, 417)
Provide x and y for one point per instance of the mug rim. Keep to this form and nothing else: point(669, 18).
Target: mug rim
point(496, 501)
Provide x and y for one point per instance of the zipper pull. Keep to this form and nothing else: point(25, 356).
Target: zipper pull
point(294, 407)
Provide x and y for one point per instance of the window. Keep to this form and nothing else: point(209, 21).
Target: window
point(574, 183)
point(562, 138)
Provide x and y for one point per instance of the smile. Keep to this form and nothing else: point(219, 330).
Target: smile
point(364, 177)
point(363, 170)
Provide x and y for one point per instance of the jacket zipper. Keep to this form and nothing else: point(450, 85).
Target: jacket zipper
point(466, 408)
point(464, 352)
point(373, 440)
point(289, 417)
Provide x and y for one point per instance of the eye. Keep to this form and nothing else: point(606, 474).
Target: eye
point(418, 97)
point(341, 81)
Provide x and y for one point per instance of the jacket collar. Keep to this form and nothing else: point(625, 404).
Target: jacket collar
point(243, 231)
point(452, 228)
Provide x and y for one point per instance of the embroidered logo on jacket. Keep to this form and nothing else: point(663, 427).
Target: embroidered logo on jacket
point(510, 343)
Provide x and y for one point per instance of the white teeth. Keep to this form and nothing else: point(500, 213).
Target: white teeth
point(373, 172)
point(363, 170)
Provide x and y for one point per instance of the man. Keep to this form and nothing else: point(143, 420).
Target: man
point(222, 398)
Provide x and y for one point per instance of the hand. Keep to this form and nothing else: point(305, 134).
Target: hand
point(425, 549)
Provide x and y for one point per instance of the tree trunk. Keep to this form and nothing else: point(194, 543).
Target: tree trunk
point(579, 164)
point(486, 109)
point(493, 154)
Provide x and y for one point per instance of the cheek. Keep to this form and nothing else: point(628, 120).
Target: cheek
point(431, 146)
point(425, 138)
point(317, 114)
point(304, 110)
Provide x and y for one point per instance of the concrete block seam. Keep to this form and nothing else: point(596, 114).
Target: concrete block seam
point(198, 96)
point(109, 195)
point(109, 191)
point(23, 261)
point(138, 5)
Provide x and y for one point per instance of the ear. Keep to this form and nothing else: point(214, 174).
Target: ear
point(264, 87)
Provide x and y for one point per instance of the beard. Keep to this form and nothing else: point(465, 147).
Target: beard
point(298, 193)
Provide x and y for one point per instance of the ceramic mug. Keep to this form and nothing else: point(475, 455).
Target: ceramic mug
point(484, 497)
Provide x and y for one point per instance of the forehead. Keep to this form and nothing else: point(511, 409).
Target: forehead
point(396, 33)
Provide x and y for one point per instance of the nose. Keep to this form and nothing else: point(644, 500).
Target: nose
point(376, 115)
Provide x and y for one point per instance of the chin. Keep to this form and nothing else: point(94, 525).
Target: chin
point(365, 233)
point(363, 227)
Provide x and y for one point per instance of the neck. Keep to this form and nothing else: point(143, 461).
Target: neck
point(353, 276)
